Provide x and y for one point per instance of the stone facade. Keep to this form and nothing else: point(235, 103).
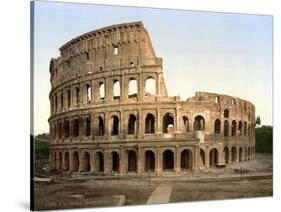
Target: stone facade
point(104, 119)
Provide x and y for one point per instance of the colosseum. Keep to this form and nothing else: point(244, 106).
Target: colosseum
point(111, 112)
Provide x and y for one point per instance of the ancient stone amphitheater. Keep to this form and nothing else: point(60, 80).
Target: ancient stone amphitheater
point(111, 113)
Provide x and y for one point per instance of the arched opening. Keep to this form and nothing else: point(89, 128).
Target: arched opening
point(61, 101)
point(240, 154)
point(150, 123)
point(115, 162)
point(115, 125)
point(132, 161)
point(168, 160)
point(214, 154)
point(66, 161)
point(88, 127)
point(77, 95)
point(202, 158)
point(75, 128)
point(101, 126)
point(249, 130)
point(233, 154)
point(150, 87)
point(249, 153)
point(149, 161)
point(226, 128)
point(60, 129)
point(233, 128)
point(217, 99)
point(217, 127)
point(89, 93)
point(186, 124)
point(132, 124)
point(245, 154)
point(245, 128)
point(68, 98)
point(186, 160)
point(199, 123)
point(116, 89)
point(86, 162)
point(168, 123)
point(226, 113)
point(133, 88)
point(75, 162)
point(66, 128)
point(101, 90)
point(99, 162)
point(60, 161)
point(226, 155)
point(240, 127)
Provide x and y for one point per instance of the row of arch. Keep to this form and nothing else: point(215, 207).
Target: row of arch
point(85, 126)
point(68, 97)
point(85, 163)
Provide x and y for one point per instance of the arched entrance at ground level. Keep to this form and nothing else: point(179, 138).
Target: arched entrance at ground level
point(86, 162)
point(214, 157)
point(66, 161)
point(168, 160)
point(186, 160)
point(75, 162)
point(249, 153)
point(240, 154)
point(149, 161)
point(132, 161)
point(202, 158)
point(233, 154)
point(226, 155)
point(99, 162)
point(115, 162)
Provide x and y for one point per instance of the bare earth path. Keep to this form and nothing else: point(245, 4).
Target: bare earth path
point(160, 195)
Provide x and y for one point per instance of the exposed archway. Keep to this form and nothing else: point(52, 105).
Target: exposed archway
point(186, 123)
point(249, 153)
point(99, 162)
point(89, 93)
point(233, 128)
point(245, 128)
point(214, 157)
point(133, 88)
point(114, 125)
point(233, 154)
point(240, 128)
point(75, 162)
point(199, 123)
point(101, 90)
point(168, 123)
point(60, 161)
point(186, 160)
point(226, 155)
point(66, 129)
point(66, 161)
point(75, 128)
point(149, 161)
point(245, 154)
point(226, 128)
point(202, 158)
point(226, 113)
point(132, 161)
point(168, 160)
point(100, 126)
point(217, 126)
point(150, 87)
point(116, 89)
point(115, 161)
point(88, 126)
point(240, 154)
point(132, 124)
point(86, 162)
point(150, 123)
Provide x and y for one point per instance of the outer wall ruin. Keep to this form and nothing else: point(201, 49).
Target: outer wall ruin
point(104, 119)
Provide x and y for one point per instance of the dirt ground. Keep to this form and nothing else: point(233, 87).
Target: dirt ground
point(76, 191)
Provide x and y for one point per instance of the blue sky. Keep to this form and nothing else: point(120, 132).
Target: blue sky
point(202, 51)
